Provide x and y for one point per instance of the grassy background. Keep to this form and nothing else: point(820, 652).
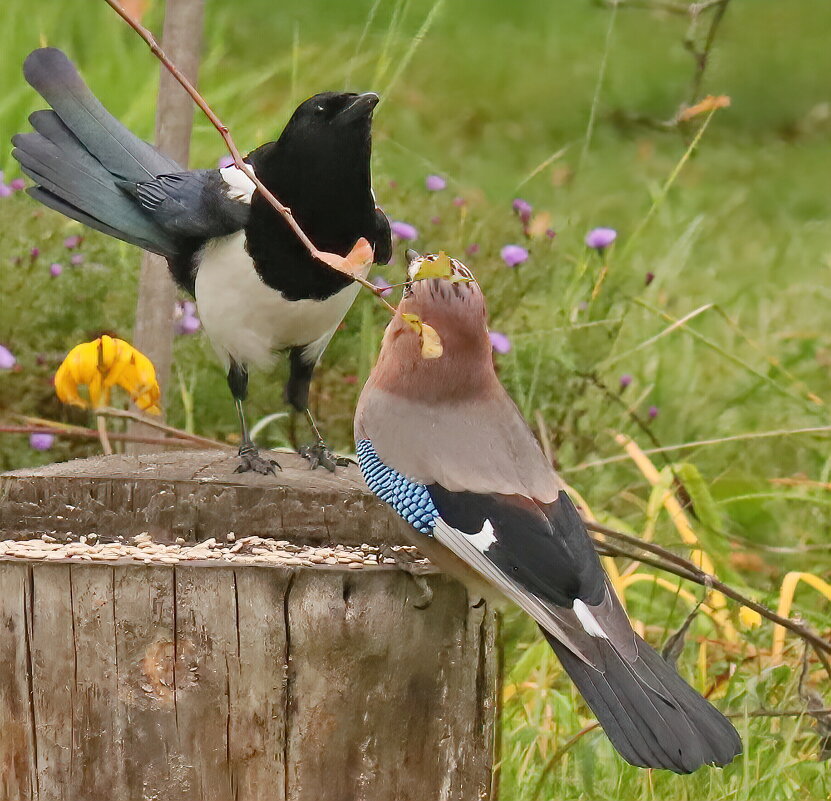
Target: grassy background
point(491, 93)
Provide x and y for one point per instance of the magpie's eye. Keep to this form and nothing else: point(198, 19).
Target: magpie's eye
point(319, 110)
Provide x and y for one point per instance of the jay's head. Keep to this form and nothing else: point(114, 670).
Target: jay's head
point(454, 306)
point(452, 303)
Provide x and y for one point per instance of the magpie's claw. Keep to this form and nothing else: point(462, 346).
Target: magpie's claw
point(319, 455)
point(252, 462)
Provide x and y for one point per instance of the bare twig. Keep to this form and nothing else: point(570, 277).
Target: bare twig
point(87, 433)
point(148, 420)
point(241, 165)
point(103, 435)
point(677, 565)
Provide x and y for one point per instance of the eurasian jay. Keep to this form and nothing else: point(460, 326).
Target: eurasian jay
point(440, 441)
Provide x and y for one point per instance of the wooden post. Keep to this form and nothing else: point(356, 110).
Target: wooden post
point(208, 662)
point(153, 333)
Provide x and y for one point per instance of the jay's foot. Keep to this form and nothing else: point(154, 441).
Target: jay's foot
point(252, 462)
point(320, 456)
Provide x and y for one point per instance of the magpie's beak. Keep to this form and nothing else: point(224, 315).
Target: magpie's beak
point(360, 108)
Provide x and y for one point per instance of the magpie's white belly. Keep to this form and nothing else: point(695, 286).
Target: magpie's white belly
point(248, 321)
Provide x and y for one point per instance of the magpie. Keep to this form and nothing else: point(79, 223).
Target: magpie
point(258, 290)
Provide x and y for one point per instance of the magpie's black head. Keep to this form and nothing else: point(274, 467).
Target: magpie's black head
point(326, 144)
point(334, 122)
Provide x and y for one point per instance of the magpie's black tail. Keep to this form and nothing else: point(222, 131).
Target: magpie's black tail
point(652, 716)
point(80, 151)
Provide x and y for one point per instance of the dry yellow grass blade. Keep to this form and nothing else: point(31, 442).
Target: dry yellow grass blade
point(789, 584)
point(682, 524)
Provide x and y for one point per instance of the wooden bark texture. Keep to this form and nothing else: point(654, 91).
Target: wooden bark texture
point(241, 684)
point(153, 334)
point(194, 495)
point(222, 681)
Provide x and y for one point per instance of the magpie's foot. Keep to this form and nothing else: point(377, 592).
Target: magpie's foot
point(320, 456)
point(252, 462)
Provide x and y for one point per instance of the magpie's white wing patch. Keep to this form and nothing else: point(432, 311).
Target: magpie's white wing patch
point(240, 186)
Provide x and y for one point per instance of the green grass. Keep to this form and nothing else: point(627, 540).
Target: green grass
point(491, 93)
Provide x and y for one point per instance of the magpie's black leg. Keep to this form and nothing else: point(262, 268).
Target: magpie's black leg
point(297, 394)
point(250, 458)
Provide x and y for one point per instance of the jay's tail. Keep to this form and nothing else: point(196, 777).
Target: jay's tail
point(652, 716)
point(79, 153)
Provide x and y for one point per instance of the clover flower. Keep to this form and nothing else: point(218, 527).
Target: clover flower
point(523, 209)
point(403, 230)
point(383, 285)
point(514, 255)
point(7, 360)
point(625, 380)
point(600, 238)
point(499, 341)
point(41, 441)
point(55, 269)
point(435, 183)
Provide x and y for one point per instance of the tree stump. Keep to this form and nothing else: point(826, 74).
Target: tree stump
point(172, 631)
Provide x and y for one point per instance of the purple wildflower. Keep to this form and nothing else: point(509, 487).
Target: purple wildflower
point(499, 341)
point(513, 255)
point(17, 184)
point(55, 269)
point(188, 324)
point(188, 308)
point(383, 285)
point(625, 380)
point(404, 230)
point(77, 258)
point(650, 277)
point(550, 233)
point(435, 183)
point(472, 249)
point(7, 360)
point(5, 190)
point(41, 441)
point(72, 242)
point(523, 209)
point(600, 238)
point(225, 161)
point(436, 220)
point(34, 253)
point(459, 201)
point(653, 412)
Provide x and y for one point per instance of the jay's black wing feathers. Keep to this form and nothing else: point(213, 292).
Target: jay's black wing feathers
point(547, 563)
point(542, 547)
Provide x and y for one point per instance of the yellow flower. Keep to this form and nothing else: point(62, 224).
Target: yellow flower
point(103, 364)
point(749, 618)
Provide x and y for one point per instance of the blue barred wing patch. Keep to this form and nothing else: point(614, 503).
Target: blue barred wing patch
point(410, 500)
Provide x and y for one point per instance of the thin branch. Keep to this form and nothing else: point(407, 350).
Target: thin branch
point(677, 565)
point(241, 165)
point(148, 420)
point(88, 433)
